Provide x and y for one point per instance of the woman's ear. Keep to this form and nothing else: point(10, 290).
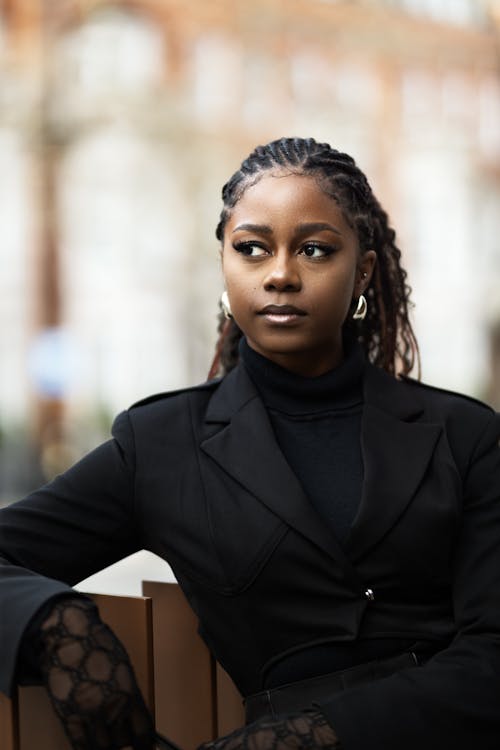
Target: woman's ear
point(364, 271)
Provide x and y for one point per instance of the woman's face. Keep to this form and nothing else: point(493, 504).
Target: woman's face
point(292, 266)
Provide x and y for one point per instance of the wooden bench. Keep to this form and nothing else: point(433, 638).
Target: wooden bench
point(192, 698)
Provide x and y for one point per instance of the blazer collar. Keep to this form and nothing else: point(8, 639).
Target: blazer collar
point(382, 391)
point(396, 451)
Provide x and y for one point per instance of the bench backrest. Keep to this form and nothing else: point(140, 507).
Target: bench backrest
point(192, 698)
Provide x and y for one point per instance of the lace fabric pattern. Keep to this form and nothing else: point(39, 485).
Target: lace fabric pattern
point(90, 680)
point(304, 731)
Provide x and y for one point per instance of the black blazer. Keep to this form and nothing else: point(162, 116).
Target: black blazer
point(197, 477)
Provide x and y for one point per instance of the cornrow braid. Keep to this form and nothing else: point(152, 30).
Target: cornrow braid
point(386, 333)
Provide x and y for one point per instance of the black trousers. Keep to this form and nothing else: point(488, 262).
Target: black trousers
point(303, 695)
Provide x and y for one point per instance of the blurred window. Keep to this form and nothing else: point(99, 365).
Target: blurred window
point(264, 102)
point(2, 34)
point(123, 250)
point(462, 12)
point(217, 75)
point(112, 54)
point(489, 118)
point(16, 266)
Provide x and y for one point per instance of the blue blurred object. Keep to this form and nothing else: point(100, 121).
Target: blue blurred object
point(53, 362)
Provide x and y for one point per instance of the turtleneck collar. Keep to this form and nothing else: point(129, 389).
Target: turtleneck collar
point(290, 393)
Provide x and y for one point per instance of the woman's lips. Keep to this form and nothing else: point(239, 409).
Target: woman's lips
point(282, 314)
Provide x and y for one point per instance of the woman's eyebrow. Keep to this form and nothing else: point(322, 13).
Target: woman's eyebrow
point(257, 228)
point(317, 226)
point(314, 226)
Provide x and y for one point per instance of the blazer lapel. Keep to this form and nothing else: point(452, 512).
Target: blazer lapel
point(396, 453)
point(247, 450)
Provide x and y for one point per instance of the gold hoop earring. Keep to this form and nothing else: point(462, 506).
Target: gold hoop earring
point(361, 309)
point(226, 305)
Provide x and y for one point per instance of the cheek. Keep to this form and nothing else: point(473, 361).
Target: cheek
point(334, 293)
point(240, 297)
point(238, 284)
point(231, 272)
point(234, 287)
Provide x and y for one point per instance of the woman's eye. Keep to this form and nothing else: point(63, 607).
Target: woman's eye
point(316, 251)
point(250, 248)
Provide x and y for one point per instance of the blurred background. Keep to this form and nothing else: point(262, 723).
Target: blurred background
point(121, 119)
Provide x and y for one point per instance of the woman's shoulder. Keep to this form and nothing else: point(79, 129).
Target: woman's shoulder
point(405, 394)
point(463, 417)
point(176, 407)
point(164, 399)
point(466, 420)
point(161, 415)
point(444, 397)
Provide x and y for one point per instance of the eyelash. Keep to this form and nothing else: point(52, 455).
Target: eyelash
point(245, 248)
point(325, 249)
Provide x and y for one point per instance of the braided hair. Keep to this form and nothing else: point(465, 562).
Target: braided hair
point(386, 333)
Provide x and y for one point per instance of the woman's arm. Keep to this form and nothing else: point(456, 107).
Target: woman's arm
point(89, 678)
point(76, 525)
point(79, 523)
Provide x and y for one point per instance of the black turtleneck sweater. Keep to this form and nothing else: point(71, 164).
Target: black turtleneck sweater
point(317, 424)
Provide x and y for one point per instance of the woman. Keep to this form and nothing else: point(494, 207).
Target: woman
point(335, 529)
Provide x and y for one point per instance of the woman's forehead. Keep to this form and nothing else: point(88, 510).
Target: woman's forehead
point(284, 189)
point(286, 201)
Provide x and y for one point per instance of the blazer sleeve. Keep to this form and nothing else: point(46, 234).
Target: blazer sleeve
point(69, 529)
point(453, 700)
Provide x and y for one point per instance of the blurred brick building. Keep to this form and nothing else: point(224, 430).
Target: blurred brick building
point(121, 120)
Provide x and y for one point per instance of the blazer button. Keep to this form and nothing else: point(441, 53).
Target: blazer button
point(369, 595)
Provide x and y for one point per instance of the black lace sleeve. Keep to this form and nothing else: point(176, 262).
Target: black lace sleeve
point(89, 678)
point(304, 731)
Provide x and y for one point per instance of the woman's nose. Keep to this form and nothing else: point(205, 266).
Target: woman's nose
point(283, 273)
